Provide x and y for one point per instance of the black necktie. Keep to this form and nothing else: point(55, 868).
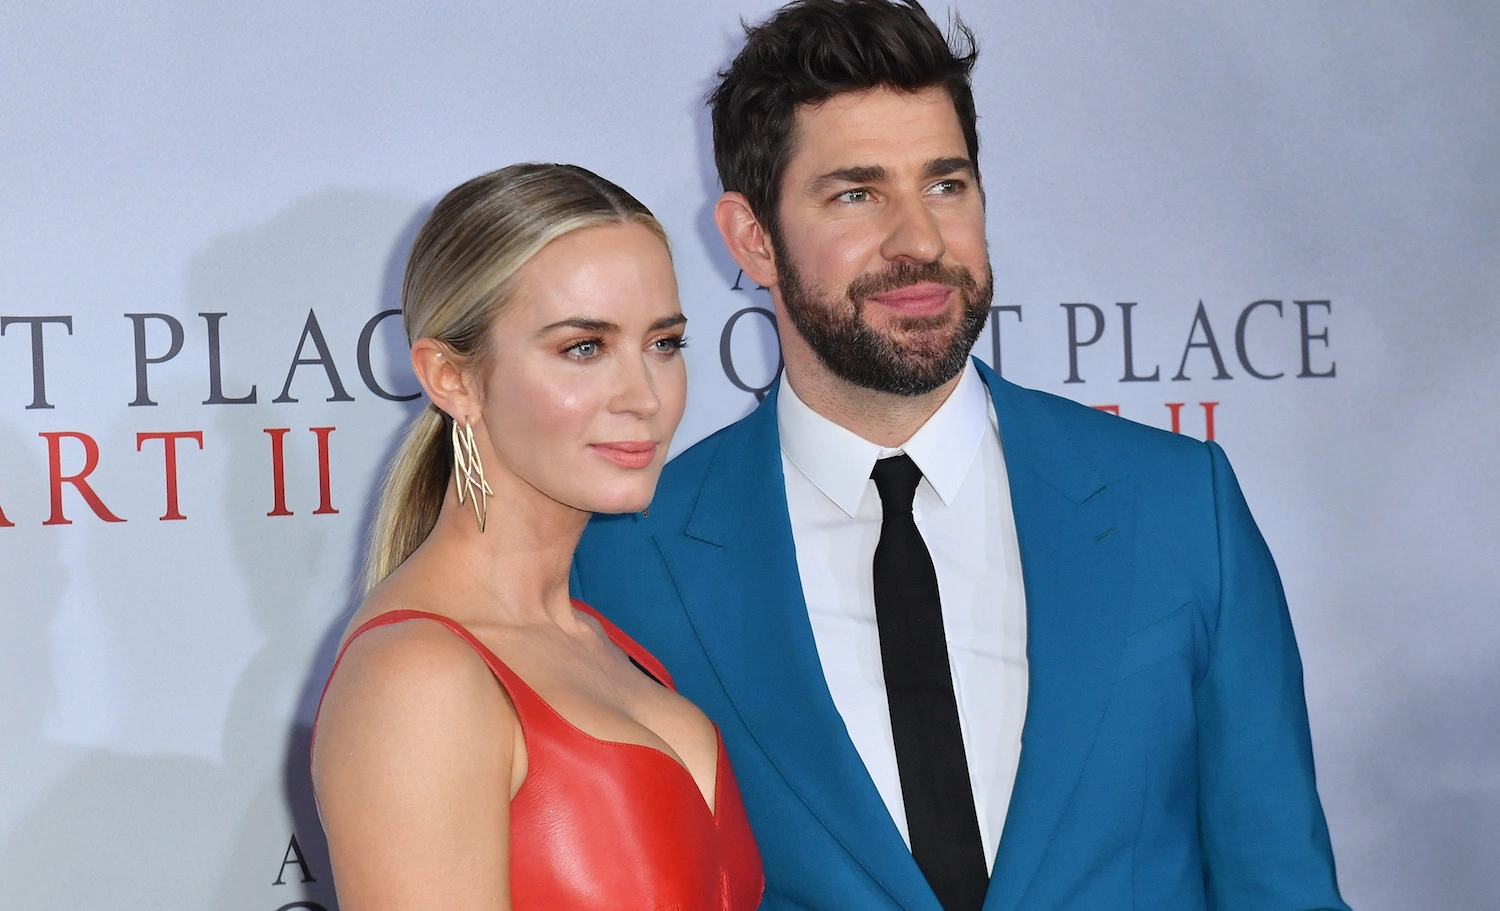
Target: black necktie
point(935, 786)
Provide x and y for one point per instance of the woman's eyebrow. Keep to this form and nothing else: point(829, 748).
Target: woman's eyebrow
point(601, 325)
point(587, 325)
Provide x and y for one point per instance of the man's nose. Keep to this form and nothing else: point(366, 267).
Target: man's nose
point(913, 235)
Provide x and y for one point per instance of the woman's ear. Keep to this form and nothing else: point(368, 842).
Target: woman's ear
point(444, 379)
point(746, 238)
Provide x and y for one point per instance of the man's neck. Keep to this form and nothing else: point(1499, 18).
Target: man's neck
point(881, 417)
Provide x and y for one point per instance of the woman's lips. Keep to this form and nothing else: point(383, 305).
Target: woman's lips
point(922, 299)
point(627, 454)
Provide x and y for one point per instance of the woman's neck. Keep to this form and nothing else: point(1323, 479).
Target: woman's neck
point(515, 572)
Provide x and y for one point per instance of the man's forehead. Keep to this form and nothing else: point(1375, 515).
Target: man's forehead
point(854, 129)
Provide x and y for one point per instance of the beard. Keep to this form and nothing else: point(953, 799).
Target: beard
point(915, 355)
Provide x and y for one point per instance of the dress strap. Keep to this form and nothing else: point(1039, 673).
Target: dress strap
point(642, 658)
point(529, 706)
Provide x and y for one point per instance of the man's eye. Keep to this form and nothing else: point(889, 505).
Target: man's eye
point(947, 187)
point(853, 196)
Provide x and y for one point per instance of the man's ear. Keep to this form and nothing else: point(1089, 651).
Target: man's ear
point(746, 238)
point(444, 379)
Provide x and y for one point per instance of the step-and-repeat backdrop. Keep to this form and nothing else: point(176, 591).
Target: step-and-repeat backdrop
point(1273, 224)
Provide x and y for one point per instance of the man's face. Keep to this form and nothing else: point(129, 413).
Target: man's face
point(880, 257)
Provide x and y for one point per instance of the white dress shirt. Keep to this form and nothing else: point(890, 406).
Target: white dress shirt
point(963, 511)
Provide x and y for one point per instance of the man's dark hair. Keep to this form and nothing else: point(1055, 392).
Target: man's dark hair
point(812, 50)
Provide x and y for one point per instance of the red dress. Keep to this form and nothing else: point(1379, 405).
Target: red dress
point(599, 824)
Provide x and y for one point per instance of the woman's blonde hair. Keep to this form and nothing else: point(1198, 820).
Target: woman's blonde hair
point(462, 270)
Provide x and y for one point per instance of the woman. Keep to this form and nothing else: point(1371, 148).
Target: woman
point(545, 328)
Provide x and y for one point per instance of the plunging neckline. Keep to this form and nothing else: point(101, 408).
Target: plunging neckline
point(626, 744)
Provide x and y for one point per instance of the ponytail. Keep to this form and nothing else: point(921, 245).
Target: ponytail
point(412, 495)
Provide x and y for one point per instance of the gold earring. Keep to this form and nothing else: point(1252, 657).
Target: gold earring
point(468, 472)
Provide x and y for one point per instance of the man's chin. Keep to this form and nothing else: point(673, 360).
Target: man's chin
point(900, 372)
point(925, 346)
point(942, 326)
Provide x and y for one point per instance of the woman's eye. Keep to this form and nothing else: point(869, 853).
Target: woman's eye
point(670, 344)
point(585, 349)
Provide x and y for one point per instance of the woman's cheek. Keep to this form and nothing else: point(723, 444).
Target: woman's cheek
point(567, 409)
point(677, 398)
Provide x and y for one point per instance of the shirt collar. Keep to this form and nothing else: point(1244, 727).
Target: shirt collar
point(838, 461)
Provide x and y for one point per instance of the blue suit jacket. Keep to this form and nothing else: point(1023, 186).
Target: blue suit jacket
point(1165, 757)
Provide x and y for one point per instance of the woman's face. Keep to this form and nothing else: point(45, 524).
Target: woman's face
point(587, 384)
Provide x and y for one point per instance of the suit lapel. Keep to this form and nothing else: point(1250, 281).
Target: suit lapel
point(1076, 536)
point(735, 567)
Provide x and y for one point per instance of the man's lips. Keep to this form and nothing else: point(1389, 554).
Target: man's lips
point(627, 453)
point(921, 299)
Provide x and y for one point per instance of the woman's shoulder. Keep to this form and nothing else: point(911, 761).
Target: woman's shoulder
point(397, 649)
point(416, 751)
point(408, 673)
point(402, 628)
point(411, 647)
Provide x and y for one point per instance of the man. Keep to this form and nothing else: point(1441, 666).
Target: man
point(969, 645)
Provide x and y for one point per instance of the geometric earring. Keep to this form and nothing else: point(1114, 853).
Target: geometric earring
point(468, 472)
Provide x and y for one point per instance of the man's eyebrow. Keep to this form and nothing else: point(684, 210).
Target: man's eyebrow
point(857, 174)
point(937, 167)
point(942, 167)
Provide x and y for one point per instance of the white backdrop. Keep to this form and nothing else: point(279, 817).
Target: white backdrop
point(265, 162)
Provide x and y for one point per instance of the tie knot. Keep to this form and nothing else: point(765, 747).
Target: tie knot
point(896, 478)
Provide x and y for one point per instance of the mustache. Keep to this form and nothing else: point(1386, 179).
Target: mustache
point(904, 275)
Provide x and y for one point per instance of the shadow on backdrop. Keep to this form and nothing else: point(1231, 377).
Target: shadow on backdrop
point(166, 825)
point(297, 782)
